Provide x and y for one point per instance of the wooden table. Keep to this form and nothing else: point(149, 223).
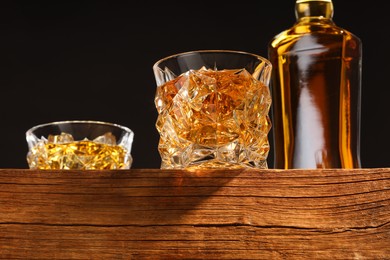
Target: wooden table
point(170, 214)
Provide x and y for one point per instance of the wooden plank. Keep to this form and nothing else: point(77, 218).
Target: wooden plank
point(171, 214)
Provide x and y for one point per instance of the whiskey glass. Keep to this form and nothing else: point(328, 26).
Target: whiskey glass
point(213, 110)
point(79, 144)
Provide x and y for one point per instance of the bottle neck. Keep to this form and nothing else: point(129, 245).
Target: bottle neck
point(314, 9)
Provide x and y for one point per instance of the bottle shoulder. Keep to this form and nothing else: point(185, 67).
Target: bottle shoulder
point(317, 33)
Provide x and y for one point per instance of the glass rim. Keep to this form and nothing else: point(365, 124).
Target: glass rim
point(259, 57)
point(96, 122)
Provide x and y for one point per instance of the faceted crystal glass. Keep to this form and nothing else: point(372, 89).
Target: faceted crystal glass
point(213, 110)
point(84, 145)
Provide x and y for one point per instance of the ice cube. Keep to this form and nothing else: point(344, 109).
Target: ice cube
point(60, 139)
point(107, 138)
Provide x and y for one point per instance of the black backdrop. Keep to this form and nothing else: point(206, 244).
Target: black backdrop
point(93, 60)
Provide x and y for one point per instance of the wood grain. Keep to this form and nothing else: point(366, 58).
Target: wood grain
point(171, 214)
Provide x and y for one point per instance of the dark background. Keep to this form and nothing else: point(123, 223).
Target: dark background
point(93, 60)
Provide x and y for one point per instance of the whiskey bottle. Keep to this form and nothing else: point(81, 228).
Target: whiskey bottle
point(316, 91)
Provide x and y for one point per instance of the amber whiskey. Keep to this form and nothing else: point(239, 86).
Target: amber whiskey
point(83, 155)
point(211, 119)
point(316, 91)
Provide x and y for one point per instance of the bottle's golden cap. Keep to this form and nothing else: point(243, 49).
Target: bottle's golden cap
point(303, 1)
